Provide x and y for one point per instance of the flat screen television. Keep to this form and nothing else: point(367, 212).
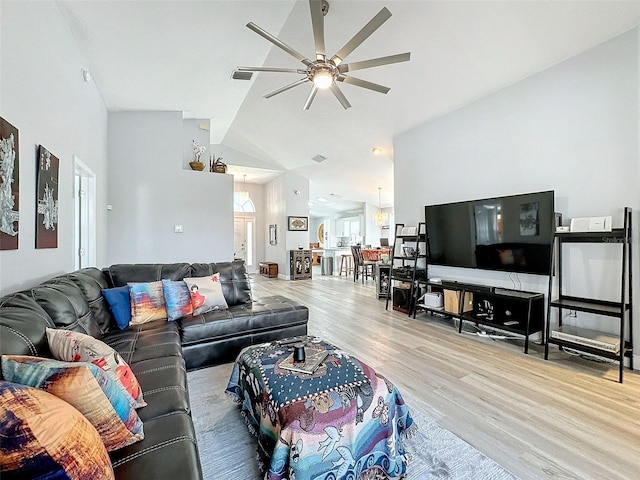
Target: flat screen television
point(512, 233)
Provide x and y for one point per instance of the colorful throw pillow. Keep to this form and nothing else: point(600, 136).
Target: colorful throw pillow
point(45, 437)
point(86, 387)
point(71, 346)
point(206, 294)
point(120, 302)
point(147, 302)
point(177, 299)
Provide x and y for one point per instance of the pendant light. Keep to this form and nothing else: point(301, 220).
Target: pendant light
point(380, 217)
point(244, 193)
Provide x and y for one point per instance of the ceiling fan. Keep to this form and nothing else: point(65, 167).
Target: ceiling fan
point(324, 72)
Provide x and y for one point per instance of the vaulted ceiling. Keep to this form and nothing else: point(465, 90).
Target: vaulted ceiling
point(180, 55)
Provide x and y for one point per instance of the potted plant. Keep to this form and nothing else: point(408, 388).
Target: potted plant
point(198, 150)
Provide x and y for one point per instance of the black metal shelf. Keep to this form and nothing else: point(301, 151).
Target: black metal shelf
point(586, 349)
point(526, 309)
point(622, 311)
point(589, 305)
point(616, 235)
point(517, 328)
point(410, 263)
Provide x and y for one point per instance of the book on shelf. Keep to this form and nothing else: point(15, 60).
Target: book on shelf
point(312, 360)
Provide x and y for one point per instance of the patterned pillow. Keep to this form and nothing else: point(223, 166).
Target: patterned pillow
point(147, 302)
point(177, 299)
point(45, 437)
point(206, 294)
point(71, 346)
point(85, 386)
point(120, 303)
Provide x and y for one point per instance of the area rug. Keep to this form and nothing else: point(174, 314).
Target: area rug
point(227, 449)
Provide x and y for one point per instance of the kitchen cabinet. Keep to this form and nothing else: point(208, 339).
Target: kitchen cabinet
point(345, 227)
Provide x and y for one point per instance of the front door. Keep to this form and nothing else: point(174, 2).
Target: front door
point(243, 240)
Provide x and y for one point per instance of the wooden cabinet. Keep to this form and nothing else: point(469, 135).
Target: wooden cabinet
point(300, 264)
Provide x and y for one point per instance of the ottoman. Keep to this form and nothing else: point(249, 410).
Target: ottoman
point(342, 421)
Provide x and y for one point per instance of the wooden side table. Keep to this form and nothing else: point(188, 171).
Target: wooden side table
point(268, 269)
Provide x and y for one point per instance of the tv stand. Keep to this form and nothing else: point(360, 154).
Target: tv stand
point(513, 311)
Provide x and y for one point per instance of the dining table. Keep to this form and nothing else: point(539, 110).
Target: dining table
point(375, 254)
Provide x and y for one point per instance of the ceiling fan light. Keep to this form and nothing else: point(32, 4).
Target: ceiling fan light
point(322, 79)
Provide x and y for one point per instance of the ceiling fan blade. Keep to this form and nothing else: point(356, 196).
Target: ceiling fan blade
point(287, 87)
point(312, 95)
point(317, 22)
point(363, 83)
point(340, 96)
point(374, 62)
point(375, 23)
point(279, 43)
point(272, 69)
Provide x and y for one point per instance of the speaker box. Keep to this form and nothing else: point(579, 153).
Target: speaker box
point(401, 299)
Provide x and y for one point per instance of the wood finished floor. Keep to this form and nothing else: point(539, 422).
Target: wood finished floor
point(566, 418)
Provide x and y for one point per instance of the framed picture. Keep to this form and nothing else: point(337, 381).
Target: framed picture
point(47, 199)
point(273, 235)
point(300, 224)
point(409, 251)
point(9, 186)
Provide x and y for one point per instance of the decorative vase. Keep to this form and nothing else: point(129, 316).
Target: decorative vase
point(199, 166)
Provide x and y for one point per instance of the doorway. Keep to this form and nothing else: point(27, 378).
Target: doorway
point(84, 198)
point(244, 240)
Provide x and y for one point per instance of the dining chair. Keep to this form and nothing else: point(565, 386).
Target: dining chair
point(360, 265)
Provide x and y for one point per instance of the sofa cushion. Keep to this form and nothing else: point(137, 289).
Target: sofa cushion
point(206, 293)
point(85, 386)
point(233, 277)
point(66, 305)
point(119, 300)
point(168, 450)
point(91, 281)
point(123, 273)
point(71, 346)
point(147, 302)
point(45, 437)
point(268, 313)
point(23, 324)
point(177, 299)
point(164, 382)
point(156, 339)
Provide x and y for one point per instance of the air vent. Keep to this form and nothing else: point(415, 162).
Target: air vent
point(238, 75)
point(319, 158)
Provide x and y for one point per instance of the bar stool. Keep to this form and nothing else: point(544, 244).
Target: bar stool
point(346, 264)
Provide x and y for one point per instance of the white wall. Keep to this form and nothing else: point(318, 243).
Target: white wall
point(573, 128)
point(150, 192)
point(276, 214)
point(43, 95)
point(281, 202)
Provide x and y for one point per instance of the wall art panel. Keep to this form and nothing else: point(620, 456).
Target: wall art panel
point(47, 205)
point(9, 186)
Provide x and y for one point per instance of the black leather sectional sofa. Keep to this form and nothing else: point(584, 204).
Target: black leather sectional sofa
point(159, 352)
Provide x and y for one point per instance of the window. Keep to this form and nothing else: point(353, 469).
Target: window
point(243, 204)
